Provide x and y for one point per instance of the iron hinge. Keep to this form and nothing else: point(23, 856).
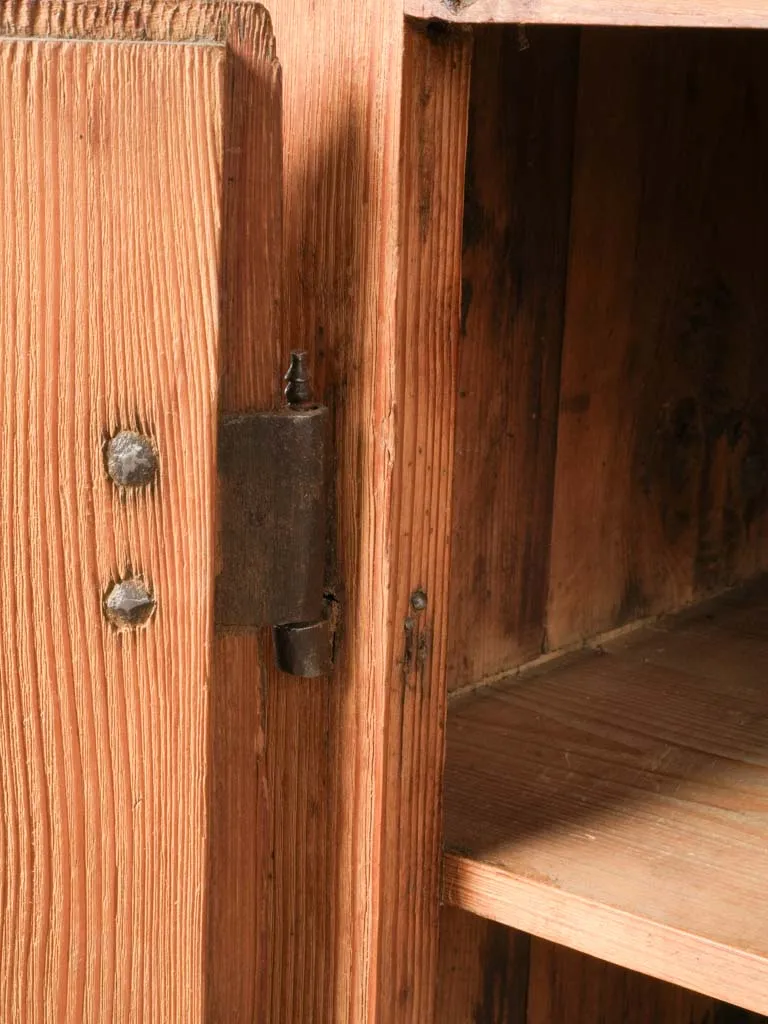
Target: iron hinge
point(273, 490)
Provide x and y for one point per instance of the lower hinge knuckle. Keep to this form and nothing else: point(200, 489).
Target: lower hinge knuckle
point(273, 497)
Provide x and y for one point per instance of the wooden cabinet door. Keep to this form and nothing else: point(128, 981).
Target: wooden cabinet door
point(134, 138)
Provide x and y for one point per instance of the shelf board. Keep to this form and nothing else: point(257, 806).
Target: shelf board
point(616, 800)
point(653, 13)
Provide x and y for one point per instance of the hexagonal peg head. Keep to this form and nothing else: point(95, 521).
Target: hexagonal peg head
point(129, 603)
point(131, 459)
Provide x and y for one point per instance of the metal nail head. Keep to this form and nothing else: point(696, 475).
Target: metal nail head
point(129, 603)
point(418, 600)
point(131, 459)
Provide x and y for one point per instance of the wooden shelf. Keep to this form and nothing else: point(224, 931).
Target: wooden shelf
point(616, 800)
point(682, 13)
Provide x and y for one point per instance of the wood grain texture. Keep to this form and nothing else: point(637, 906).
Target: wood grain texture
point(491, 974)
point(483, 971)
point(243, 797)
point(616, 802)
point(706, 13)
point(436, 72)
point(566, 986)
point(341, 137)
point(661, 488)
point(513, 294)
point(110, 173)
point(240, 837)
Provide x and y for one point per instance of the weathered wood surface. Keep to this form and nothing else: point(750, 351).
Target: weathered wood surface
point(110, 172)
point(483, 971)
point(653, 13)
point(302, 786)
point(615, 801)
point(237, 889)
point(491, 974)
point(518, 195)
point(355, 759)
point(435, 92)
point(567, 986)
point(661, 482)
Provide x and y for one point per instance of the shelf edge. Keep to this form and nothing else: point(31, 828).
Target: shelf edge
point(634, 13)
point(607, 933)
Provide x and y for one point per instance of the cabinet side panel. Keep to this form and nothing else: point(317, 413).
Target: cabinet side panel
point(661, 491)
point(515, 250)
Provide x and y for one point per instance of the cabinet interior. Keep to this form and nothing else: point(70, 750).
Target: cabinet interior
point(607, 753)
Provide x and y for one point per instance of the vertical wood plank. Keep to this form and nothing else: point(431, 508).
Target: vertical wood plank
point(109, 174)
point(436, 69)
point(513, 269)
point(243, 796)
point(348, 911)
point(662, 470)
point(483, 971)
point(322, 775)
point(341, 133)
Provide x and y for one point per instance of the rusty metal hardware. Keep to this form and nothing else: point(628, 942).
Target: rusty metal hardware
point(129, 603)
point(273, 471)
point(131, 459)
point(304, 648)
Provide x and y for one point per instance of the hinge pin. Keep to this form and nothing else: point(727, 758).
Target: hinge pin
point(298, 386)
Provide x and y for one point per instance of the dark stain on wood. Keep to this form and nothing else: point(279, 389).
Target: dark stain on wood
point(483, 971)
point(567, 987)
point(515, 243)
point(505, 963)
point(661, 489)
point(725, 1014)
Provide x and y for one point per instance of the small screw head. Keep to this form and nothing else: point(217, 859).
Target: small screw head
point(131, 459)
point(129, 603)
point(418, 600)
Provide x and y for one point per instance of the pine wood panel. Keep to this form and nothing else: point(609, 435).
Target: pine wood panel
point(483, 971)
point(110, 173)
point(435, 91)
point(341, 124)
point(243, 796)
point(513, 293)
point(712, 13)
point(616, 803)
point(661, 487)
point(349, 755)
point(240, 828)
point(341, 132)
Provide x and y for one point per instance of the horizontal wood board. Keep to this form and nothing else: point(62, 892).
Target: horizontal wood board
point(683, 13)
point(617, 801)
